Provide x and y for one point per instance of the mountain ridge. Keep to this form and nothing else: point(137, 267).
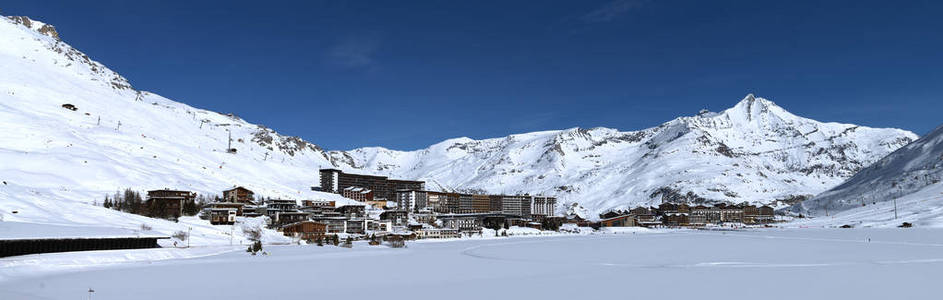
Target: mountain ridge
point(912, 174)
point(121, 137)
point(754, 127)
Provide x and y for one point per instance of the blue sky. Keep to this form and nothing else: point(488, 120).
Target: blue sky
point(407, 74)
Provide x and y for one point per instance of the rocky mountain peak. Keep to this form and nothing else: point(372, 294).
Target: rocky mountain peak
point(43, 28)
point(752, 108)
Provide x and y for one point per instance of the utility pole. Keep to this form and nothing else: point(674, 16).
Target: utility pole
point(895, 208)
point(99, 121)
point(188, 236)
point(119, 126)
point(229, 143)
point(899, 194)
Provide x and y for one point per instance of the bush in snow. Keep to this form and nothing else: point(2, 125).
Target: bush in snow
point(253, 234)
point(255, 247)
point(181, 235)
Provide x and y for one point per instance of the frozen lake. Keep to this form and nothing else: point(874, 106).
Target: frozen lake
point(763, 264)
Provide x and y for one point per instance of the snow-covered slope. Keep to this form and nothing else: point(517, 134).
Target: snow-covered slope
point(755, 151)
point(56, 162)
point(912, 175)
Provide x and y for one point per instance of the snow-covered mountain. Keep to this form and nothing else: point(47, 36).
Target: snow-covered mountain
point(57, 160)
point(913, 175)
point(755, 151)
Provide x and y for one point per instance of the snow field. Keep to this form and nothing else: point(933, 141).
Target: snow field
point(771, 263)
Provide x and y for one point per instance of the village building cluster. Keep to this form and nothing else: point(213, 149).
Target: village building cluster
point(378, 206)
point(404, 209)
point(683, 215)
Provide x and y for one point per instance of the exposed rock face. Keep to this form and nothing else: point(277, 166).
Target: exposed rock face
point(43, 28)
point(76, 59)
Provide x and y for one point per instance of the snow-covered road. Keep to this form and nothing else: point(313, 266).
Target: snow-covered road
point(766, 264)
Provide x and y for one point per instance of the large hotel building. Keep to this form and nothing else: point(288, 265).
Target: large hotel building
point(412, 196)
point(335, 181)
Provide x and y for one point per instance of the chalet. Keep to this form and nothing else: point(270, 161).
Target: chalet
point(462, 222)
point(396, 217)
point(222, 216)
point(576, 219)
point(239, 195)
point(437, 233)
point(234, 205)
point(317, 203)
point(535, 225)
point(512, 220)
point(668, 207)
point(398, 240)
point(705, 214)
point(306, 230)
point(333, 224)
point(287, 217)
point(415, 226)
point(618, 221)
point(675, 219)
point(320, 211)
point(719, 213)
point(644, 216)
point(169, 201)
point(750, 213)
point(254, 211)
point(352, 210)
point(696, 220)
point(573, 219)
point(274, 206)
point(611, 214)
point(765, 210)
point(640, 211)
point(762, 215)
point(730, 213)
point(379, 225)
point(356, 226)
point(424, 217)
